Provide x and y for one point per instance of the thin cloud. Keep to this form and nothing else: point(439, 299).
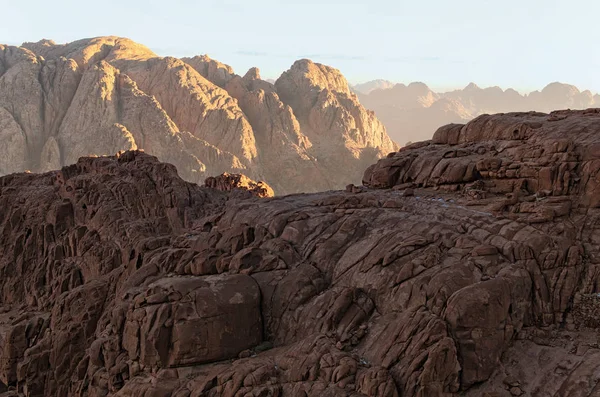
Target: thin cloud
point(337, 57)
point(253, 53)
point(413, 59)
point(172, 51)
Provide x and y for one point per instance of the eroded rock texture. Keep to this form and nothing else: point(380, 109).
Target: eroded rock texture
point(98, 96)
point(240, 184)
point(471, 270)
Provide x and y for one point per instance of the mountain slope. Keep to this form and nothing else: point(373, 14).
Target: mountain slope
point(98, 96)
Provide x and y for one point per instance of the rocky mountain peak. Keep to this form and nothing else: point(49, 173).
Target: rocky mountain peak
point(307, 75)
point(252, 74)
point(105, 94)
point(90, 51)
point(218, 73)
point(472, 87)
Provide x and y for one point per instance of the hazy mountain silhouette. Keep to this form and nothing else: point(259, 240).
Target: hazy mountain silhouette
point(414, 112)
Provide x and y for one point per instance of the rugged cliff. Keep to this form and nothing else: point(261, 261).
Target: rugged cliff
point(98, 96)
point(466, 265)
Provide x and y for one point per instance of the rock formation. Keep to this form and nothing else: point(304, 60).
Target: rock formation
point(467, 265)
point(99, 96)
point(413, 112)
point(239, 183)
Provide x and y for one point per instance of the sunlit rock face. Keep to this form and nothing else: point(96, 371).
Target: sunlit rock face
point(98, 96)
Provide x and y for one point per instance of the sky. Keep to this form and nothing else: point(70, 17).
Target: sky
point(522, 44)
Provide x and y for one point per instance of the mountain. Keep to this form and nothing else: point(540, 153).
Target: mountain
point(306, 132)
point(366, 88)
point(467, 265)
point(413, 112)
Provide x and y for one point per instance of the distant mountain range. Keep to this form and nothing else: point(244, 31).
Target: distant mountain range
point(413, 112)
point(366, 88)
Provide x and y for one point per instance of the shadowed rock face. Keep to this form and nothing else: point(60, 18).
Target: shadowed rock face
point(469, 267)
point(102, 95)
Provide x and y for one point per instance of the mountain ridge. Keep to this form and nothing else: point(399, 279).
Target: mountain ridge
point(106, 94)
point(410, 112)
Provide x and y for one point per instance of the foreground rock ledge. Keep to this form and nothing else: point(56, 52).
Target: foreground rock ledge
point(120, 279)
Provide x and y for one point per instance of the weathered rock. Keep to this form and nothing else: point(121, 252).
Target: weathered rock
point(515, 153)
point(213, 70)
point(181, 321)
point(117, 278)
point(229, 182)
point(102, 95)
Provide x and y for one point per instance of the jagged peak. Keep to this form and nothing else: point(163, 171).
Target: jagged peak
point(216, 72)
point(42, 42)
point(252, 74)
point(319, 75)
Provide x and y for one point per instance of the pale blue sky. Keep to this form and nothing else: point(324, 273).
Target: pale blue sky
point(523, 44)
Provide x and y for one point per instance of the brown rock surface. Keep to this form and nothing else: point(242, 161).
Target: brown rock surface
point(229, 182)
point(98, 96)
point(120, 279)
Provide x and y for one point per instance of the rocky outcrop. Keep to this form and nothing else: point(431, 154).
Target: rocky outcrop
point(536, 173)
point(514, 153)
point(238, 182)
point(468, 265)
point(102, 95)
